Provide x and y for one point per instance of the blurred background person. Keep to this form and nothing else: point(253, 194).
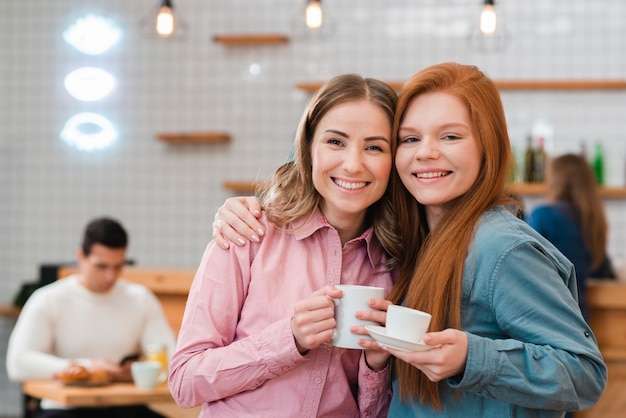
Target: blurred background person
point(573, 220)
point(88, 322)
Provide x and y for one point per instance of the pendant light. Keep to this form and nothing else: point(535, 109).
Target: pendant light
point(313, 14)
point(313, 25)
point(165, 19)
point(164, 22)
point(488, 19)
point(488, 35)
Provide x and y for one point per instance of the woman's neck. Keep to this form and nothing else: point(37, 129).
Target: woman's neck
point(348, 227)
point(433, 216)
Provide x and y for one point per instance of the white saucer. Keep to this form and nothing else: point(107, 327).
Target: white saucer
point(380, 335)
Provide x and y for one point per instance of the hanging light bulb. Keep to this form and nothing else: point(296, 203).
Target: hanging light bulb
point(165, 19)
point(163, 22)
point(488, 19)
point(311, 23)
point(489, 34)
point(313, 14)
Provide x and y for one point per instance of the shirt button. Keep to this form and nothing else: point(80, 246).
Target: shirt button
point(285, 368)
point(318, 380)
point(587, 334)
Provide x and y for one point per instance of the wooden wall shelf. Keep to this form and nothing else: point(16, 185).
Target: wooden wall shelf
point(539, 189)
point(239, 186)
point(520, 85)
point(251, 39)
point(194, 137)
point(561, 84)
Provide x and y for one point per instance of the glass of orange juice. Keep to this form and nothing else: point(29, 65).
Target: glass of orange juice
point(158, 353)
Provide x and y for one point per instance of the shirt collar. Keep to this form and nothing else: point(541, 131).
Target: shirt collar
point(307, 226)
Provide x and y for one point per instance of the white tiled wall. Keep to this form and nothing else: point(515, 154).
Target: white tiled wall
point(166, 195)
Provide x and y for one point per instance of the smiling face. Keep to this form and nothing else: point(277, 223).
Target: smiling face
point(438, 159)
point(351, 156)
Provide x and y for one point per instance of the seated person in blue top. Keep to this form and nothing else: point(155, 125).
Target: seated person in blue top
point(510, 337)
point(573, 218)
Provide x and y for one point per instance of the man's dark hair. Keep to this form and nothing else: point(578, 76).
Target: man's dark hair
point(104, 231)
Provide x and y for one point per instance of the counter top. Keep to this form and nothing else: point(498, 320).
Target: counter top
point(607, 317)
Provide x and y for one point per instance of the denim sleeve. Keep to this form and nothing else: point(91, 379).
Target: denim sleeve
point(539, 352)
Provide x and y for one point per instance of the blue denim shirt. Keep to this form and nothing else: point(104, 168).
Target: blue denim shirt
point(530, 353)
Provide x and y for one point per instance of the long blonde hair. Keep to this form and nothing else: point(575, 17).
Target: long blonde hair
point(291, 193)
point(570, 179)
point(432, 268)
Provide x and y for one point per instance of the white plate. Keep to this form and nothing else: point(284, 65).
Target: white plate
point(380, 335)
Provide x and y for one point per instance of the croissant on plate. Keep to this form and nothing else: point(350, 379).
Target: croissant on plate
point(78, 373)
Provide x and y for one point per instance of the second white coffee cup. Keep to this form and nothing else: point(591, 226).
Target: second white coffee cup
point(146, 373)
point(355, 298)
point(406, 323)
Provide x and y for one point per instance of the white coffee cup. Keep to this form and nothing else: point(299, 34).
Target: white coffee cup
point(406, 323)
point(146, 374)
point(355, 298)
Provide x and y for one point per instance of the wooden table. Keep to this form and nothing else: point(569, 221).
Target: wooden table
point(116, 394)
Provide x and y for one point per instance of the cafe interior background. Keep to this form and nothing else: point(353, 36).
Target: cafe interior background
point(168, 124)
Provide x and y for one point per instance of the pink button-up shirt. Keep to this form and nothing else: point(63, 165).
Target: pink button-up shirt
point(236, 354)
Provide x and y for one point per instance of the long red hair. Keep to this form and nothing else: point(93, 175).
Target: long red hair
point(432, 270)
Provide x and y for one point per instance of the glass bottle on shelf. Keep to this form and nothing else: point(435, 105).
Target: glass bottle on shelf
point(540, 161)
point(598, 163)
point(529, 162)
point(513, 175)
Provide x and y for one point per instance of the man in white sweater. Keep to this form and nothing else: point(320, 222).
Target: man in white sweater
point(93, 319)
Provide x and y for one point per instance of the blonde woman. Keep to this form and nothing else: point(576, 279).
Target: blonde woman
point(255, 340)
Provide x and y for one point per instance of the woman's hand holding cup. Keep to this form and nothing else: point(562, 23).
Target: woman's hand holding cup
point(376, 357)
point(313, 320)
